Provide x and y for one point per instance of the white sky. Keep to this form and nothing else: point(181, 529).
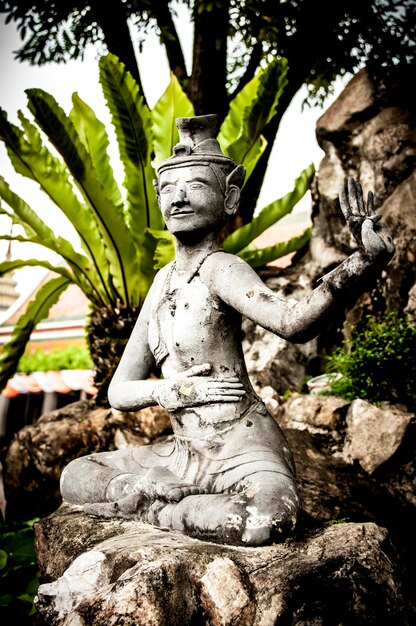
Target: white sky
point(294, 148)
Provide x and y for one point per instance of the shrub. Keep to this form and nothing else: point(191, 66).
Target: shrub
point(18, 573)
point(377, 362)
point(69, 358)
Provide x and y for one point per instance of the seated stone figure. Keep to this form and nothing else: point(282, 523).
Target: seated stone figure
point(228, 474)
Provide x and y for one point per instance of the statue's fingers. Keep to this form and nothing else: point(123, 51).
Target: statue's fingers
point(226, 391)
point(344, 204)
point(353, 196)
point(223, 398)
point(360, 199)
point(371, 241)
point(224, 383)
point(224, 379)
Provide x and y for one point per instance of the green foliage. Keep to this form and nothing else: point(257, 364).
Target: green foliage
point(323, 40)
point(114, 260)
point(338, 37)
point(18, 573)
point(334, 522)
point(240, 136)
point(173, 103)
point(240, 241)
point(69, 358)
point(377, 362)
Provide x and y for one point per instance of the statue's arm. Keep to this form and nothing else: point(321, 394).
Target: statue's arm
point(129, 389)
point(299, 321)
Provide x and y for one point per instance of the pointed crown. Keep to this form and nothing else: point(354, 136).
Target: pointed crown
point(198, 146)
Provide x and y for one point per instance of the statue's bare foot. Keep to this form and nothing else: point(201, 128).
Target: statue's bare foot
point(162, 484)
point(126, 507)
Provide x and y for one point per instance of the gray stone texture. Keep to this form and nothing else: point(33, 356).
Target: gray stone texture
point(310, 579)
point(34, 461)
point(369, 132)
point(373, 433)
point(126, 572)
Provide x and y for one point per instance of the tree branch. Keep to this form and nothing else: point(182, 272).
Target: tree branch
point(255, 58)
point(169, 38)
point(117, 35)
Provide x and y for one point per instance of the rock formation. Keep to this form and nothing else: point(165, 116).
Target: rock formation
point(127, 572)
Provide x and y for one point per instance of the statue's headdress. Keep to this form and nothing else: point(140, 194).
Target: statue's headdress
point(198, 146)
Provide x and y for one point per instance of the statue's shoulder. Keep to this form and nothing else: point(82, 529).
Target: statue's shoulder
point(219, 269)
point(159, 281)
point(222, 261)
point(162, 274)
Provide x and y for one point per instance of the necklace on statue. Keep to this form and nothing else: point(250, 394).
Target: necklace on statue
point(171, 293)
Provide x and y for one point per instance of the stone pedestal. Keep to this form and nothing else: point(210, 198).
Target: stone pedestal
point(125, 572)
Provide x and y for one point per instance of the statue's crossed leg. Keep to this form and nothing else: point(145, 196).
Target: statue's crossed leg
point(260, 507)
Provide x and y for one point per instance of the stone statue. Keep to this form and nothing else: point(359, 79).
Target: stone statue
point(227, 475)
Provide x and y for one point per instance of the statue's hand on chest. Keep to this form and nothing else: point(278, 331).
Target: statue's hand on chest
point(195, 387)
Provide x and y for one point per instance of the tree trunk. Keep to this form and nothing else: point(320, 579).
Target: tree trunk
point(108, 331)
point(207, 85)
point(169, 38)
point(252, 188)
point(117, 35)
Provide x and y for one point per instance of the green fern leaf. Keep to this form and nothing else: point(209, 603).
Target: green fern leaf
point(251, 110)
point(172, 104)
point(133, 125)
point(257, 258)
point(38, 232)
point(119, 248)
point(270, 214)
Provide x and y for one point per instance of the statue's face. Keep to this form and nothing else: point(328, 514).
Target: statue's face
point(191, 199)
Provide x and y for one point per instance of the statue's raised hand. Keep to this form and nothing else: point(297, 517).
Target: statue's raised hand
point(194, 387)
point(373, 238)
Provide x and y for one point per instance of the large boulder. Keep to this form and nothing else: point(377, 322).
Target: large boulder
point(369, 132)
point(34, 460)
point(126, 572)
point(271, 361)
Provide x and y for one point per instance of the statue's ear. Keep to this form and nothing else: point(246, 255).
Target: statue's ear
point(231, 200)
point(156, 186)
point(233, 182)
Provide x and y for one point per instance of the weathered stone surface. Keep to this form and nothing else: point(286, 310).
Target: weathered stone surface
point(357, 97)
point(346, 573)
point(369, 132)
point(373, 433)
point(318, 414)
point(330, 483)
point(271, 361)
point(39, 452)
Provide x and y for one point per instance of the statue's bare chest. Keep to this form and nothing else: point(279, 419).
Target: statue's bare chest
point(186, 322)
